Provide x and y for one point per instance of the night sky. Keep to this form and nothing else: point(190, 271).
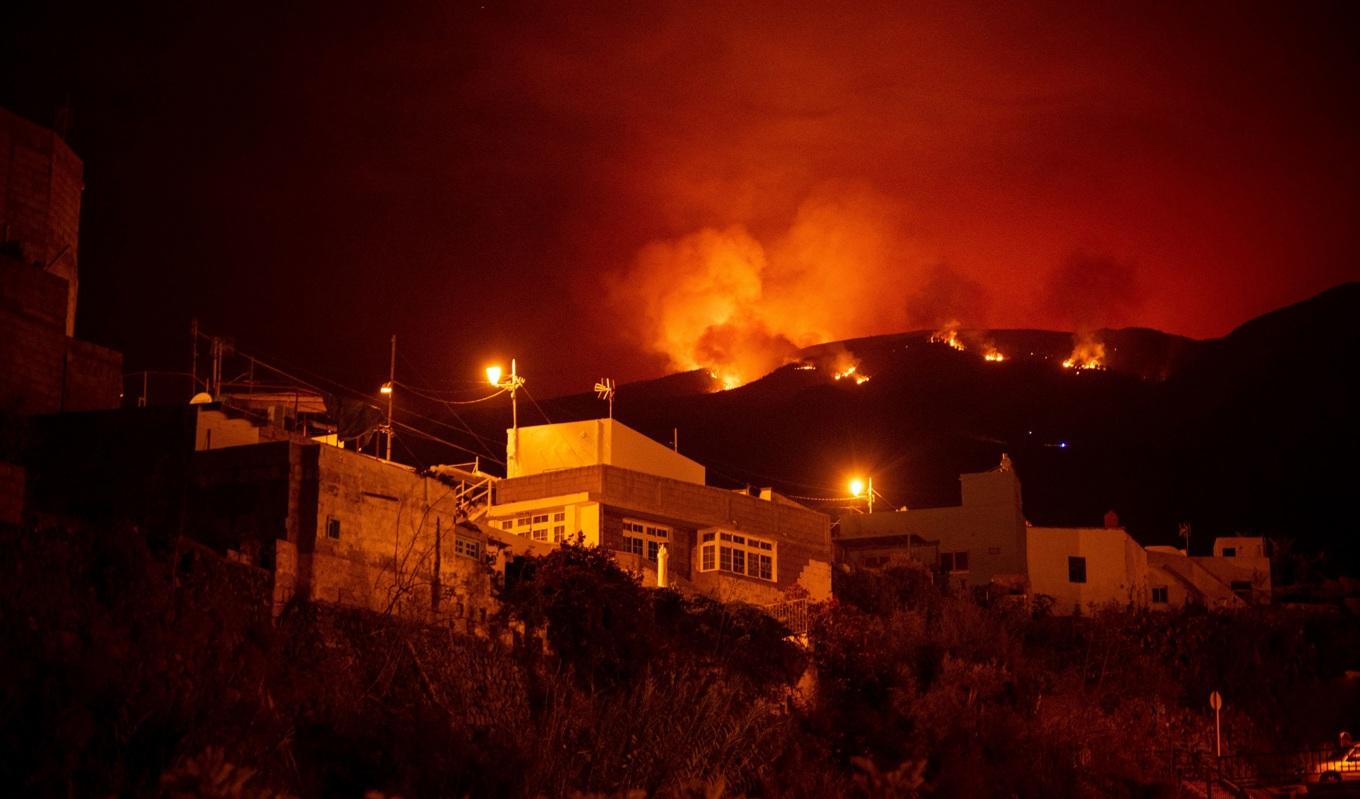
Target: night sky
point(628, 189)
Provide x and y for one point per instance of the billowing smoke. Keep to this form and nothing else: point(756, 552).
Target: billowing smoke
point(946, 298)
point(722, 300)
point(1090, 291)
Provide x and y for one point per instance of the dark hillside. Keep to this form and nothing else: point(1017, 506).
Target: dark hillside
point(1250, 433)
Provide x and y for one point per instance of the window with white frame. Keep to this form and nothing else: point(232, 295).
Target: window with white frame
point(539, 525)
point(467, 547)
point(644, 538)
point(737, 553)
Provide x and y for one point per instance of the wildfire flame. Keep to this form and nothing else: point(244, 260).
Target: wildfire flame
point(949, 334)
point(993, 355)
point(726, 301)
point(1088, 352)
point(724, 380)
point(847, 367)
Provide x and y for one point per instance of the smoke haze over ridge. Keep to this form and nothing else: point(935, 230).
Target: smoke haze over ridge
point(510, 180)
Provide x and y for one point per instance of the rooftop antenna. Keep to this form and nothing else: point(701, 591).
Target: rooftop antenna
point(605, 391)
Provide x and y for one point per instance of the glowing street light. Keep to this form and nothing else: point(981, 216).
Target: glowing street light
point(386, 391)
point(860, 487)
point(494, 375)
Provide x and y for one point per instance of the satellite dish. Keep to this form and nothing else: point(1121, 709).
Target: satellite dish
point(201, 398)
point(605, 391)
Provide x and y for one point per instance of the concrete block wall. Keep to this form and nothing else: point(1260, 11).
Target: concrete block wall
point(396, 545)
point(32, 359)
point(42, 369)
point(93, 377)
point(41, 181)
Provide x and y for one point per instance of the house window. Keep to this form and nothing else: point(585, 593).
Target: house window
point(737, 553)
point(1242, 588)
point(536, 525)
point(1229, 552)
point(1076, 570)
point(1159, 595)
point(644, 538)
point(333, 528)
point(953, 562)
point(467, 547)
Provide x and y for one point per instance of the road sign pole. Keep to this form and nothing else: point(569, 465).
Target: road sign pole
point(1216, 702)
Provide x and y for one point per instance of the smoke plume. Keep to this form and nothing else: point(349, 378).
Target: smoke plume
point(722, 300)
point(946, 298)
point(1089, 291)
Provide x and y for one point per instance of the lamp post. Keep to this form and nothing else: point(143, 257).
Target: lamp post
point(386, 391)
point(512, 383)
point(859, 487)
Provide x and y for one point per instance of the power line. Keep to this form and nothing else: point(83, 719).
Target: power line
point(367, 398)
point(540, 407)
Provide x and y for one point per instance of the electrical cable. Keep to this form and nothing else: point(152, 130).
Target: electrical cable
point(366, 398)
point(536, 405)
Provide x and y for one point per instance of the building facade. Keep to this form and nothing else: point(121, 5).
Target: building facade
point(43, 368)
point(1082, 569)
point(972, 544)
point(607, 485)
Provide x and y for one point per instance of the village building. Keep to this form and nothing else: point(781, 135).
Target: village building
point(605, 484)
point(1236, 575)
point(43, 367)
point(1080, 569)
point(986, 541)
point(975, 543)
point(326, 524)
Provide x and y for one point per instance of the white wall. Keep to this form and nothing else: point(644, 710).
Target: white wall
point(549, 447)
point(1116, 567)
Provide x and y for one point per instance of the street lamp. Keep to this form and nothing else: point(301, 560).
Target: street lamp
point(386, 391)
point(512, 384)
point(859, 487)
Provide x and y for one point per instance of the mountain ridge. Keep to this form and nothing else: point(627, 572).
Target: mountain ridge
point(1248, 433)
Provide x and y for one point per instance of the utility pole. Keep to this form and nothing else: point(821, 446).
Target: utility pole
point(511, 384)
point(193, 359)
point(515, 383)
point(387, 389)
point(216, 380)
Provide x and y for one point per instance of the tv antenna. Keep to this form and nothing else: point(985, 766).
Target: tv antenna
point(605, 391)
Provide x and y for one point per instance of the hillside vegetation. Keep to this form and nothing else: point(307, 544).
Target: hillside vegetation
point(135, 672)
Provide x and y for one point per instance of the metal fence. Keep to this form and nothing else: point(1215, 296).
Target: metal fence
point(1266, 769)
point(792, 614)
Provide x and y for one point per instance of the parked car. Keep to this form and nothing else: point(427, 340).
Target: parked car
point(1341, 764)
